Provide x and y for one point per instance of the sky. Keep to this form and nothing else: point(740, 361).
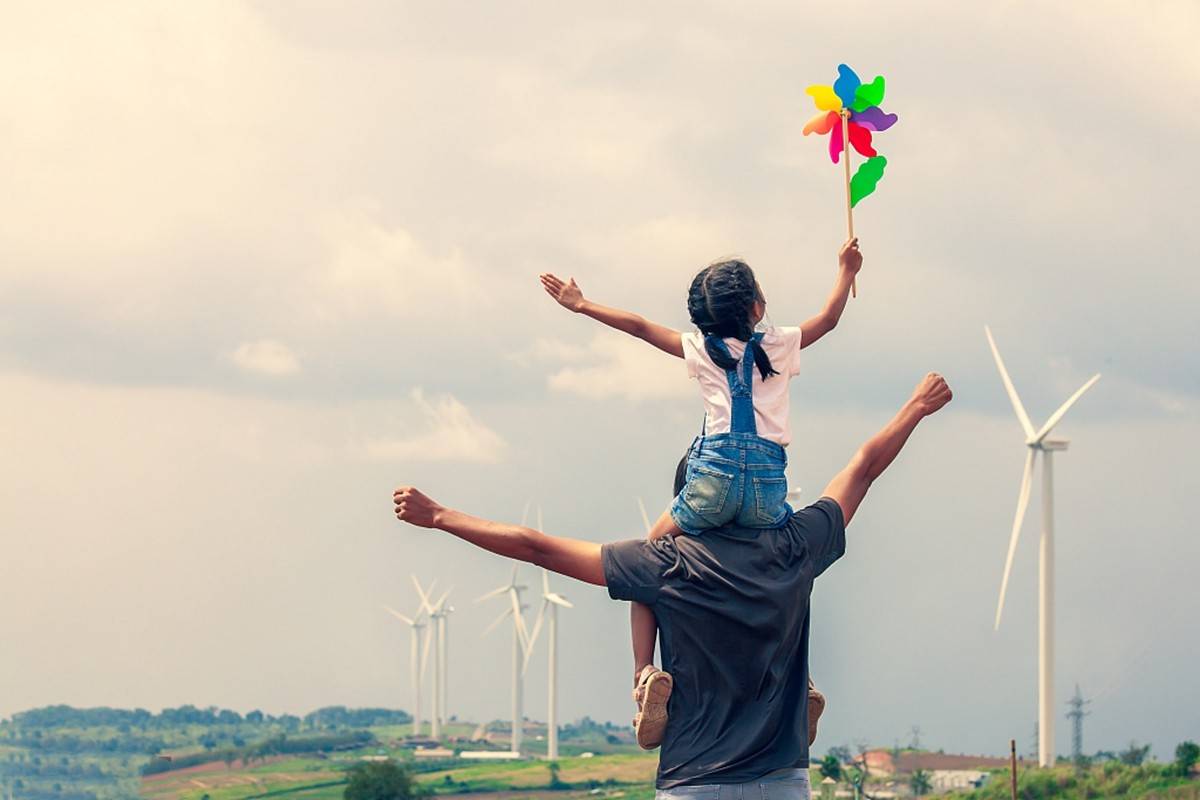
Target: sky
point(260, 263)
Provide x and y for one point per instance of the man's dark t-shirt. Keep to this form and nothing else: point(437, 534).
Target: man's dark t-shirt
point(732, 611)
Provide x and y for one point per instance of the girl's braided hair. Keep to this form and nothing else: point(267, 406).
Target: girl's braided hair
point(720, 302)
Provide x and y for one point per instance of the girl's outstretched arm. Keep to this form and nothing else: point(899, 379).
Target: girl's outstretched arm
point(849, 263)
point(570, 296)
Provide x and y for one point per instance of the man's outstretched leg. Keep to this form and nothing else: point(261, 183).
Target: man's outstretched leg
point(849, 487)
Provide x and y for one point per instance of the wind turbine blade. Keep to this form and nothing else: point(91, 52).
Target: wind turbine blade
point(513, 581)
point(518, 619)
point(507, 613)
point(645, 516)
point(537, 629)
point(441, 601)
point(540, 526)
point(427, 648)
point(1022, 503)
point(1022, 417)
point(559, 600)
point(499, 590)
point(1057, 416)
point(421, 593)
point(399, 616)
point(525, 513)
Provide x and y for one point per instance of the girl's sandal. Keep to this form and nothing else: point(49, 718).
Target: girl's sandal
point(816, 704)
point(652, 692)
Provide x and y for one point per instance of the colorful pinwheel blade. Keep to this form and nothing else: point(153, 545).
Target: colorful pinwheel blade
point(846, 85)
point(835, 139)
point(867, 95)
point(873, 119)
point(825, 98)
point(866, 178)
point(860, 140)
point(823, 122)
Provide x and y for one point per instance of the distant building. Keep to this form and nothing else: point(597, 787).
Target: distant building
point(490, 755)
point(419, 744)
point(886, 762)
point(945, 780)
point(433, 752)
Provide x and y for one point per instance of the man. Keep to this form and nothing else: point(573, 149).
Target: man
point(732, 611)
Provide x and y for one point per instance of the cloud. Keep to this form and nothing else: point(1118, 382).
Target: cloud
point(375, 267)
point(548, 351)
point(453, 434)
point(266, 357)
point(621, 367)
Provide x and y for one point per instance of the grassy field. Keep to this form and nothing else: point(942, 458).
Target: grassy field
point(626, 776)
point(578, 772)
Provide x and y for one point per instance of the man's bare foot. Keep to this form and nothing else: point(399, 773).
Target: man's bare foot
point(932, 393)
point(414, 507)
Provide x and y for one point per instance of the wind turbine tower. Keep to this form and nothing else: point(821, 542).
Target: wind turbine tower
point(444, 612)
point(520, 644)
point(551, 601)
point(416, 663)
point(437, 633)
point(1038, 443)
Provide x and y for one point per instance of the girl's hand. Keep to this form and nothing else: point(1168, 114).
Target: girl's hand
point(850, 257)
point(567, 295)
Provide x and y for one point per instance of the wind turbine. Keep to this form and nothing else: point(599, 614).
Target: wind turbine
point(444, 612)
point(520, 644)
point(437, 633)
point(416, 666)
point(550, 602)
point(1037, 442)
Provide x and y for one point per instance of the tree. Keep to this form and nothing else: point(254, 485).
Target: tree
point(555, 781)
point(1186, 756)
point(831, 767)
point(381, 780)
point(842, 754)
point(1135, 755)
point(920, 783)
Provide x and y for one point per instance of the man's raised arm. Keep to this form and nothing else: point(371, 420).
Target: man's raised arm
point(571, 557)
point(850, 485)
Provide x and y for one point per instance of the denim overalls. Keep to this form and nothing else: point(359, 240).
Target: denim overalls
point(734, 477)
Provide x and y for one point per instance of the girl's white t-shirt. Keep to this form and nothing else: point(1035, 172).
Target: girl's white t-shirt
point(771, 397)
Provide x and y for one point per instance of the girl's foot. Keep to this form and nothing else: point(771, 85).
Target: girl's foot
point(651, 694)
point(816, 704)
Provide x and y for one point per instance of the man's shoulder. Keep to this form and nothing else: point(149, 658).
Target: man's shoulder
point(633, 568)
point(826, 511)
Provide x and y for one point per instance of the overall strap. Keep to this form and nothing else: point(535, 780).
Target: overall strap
point(742, 411)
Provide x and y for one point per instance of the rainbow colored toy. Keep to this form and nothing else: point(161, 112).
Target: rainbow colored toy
point(849, 111)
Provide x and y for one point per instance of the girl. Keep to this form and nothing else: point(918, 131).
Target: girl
point(735, 468)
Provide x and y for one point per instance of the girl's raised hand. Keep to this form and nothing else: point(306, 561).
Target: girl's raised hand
point(850, 256)
point(567, 295)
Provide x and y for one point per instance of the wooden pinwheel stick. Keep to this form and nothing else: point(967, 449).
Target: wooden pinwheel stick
point(849, 209)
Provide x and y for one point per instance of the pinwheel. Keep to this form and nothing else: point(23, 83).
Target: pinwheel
point(849, 111)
